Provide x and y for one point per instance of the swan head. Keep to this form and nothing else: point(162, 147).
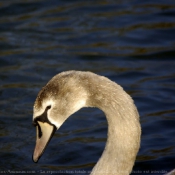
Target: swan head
point(56, 101)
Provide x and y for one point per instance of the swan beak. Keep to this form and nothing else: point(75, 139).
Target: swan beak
point(44, 132)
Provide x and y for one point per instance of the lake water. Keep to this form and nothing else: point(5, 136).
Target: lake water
point(132, 42)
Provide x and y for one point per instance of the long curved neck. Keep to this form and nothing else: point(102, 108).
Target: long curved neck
point(124, 130)
point(121, 148)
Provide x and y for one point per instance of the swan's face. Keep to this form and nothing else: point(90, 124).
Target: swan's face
point(52, 107)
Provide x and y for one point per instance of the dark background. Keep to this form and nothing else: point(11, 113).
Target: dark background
point(131, 42)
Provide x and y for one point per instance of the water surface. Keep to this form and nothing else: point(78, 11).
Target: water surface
point(130, 42)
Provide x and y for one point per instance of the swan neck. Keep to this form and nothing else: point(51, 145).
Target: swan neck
point(123, 139)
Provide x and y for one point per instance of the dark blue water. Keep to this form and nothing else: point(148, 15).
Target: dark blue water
point(131, 42)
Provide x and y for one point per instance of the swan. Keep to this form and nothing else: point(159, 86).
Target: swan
point(69, 91)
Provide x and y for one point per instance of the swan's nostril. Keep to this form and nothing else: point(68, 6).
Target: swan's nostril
point(39, 131)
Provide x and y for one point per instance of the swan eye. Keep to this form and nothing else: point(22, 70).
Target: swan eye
point(48, 107)
point(43, 117)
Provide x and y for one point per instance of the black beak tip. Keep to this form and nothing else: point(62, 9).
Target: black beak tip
point(35, 160)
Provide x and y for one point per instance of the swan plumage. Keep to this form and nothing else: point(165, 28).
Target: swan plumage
point(68, 92)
